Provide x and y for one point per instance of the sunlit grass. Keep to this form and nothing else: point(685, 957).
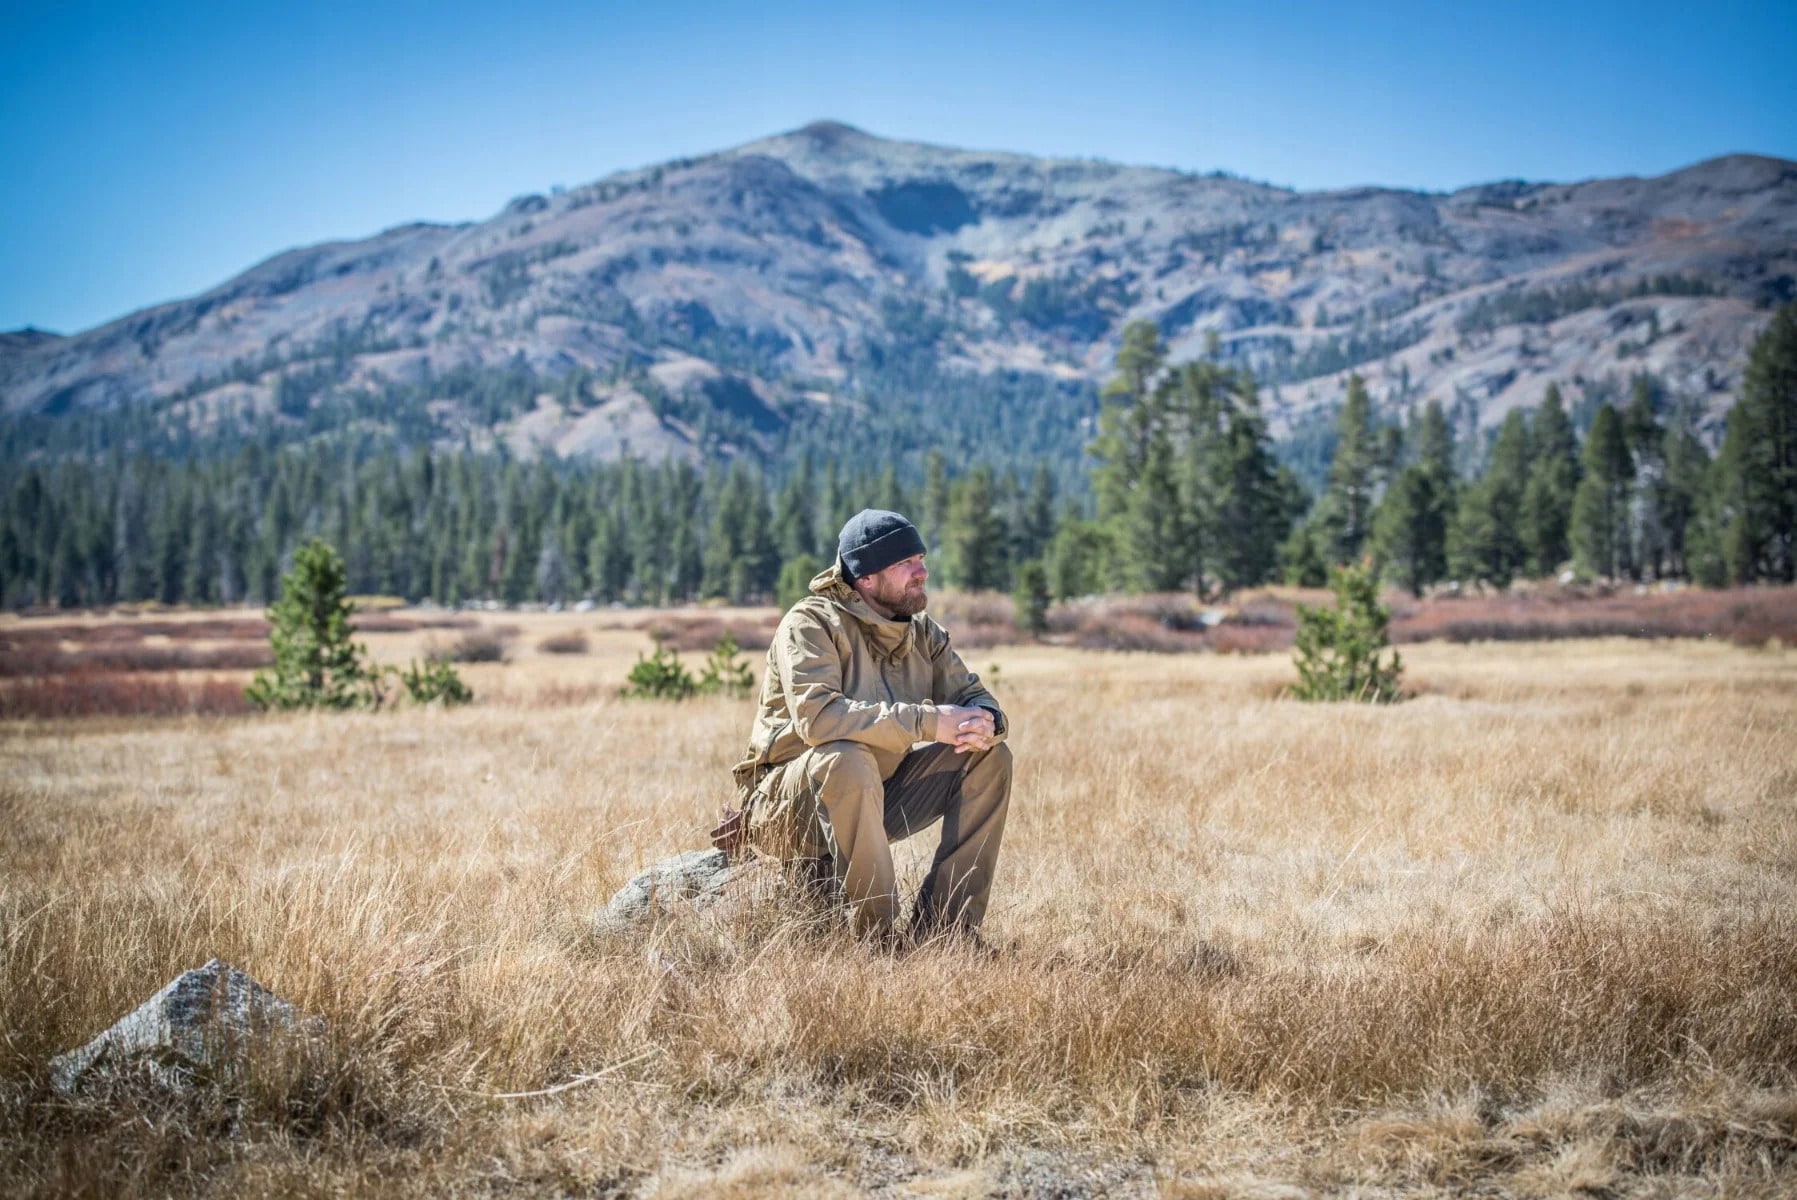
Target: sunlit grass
point(1533, 929)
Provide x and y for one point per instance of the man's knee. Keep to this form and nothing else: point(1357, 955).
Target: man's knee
point(839, 769)
point(995, 764)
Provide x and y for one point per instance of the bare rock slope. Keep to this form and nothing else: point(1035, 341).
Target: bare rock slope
point(763, 280)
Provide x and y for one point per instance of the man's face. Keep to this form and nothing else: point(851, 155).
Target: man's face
point(899, 588)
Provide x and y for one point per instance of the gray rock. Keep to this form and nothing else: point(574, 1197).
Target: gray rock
point(685, 876)
point(698, 881)
point(205, 1022)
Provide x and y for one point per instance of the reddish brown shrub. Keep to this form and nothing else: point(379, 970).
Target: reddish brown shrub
point(571, 642)
point(221, 629)
point(90, 693)
point(388, 623)
point(478, 646)
point(1748, 616)
point(689, 631)
point(50, 659)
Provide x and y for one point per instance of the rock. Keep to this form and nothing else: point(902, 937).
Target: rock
point(204, 1022)
point(704, 881)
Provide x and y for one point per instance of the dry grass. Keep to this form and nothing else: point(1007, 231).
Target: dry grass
point(1531, 933)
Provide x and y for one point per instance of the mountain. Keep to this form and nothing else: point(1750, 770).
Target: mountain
point(715, 302)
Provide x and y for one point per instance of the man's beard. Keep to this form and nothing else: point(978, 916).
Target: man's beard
point(901, 602)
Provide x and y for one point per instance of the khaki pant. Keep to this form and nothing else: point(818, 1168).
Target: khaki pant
point(832, 800)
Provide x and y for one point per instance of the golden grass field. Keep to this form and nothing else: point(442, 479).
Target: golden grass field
point(1532, 932)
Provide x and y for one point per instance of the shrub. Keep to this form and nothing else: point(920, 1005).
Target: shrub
point(478, 646)
point(316, 663)
point(1337, 650)
point(701, 632)
point(434, 682)
point(572, 642)
point(102, 693)
point(661, 676)
point(726, 671)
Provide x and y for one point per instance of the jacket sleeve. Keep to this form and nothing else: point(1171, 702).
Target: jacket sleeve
point(810, 669)
point(955, 684)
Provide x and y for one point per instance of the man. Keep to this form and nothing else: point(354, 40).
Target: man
point(857, 676)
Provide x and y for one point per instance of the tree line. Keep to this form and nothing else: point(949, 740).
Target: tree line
point(1185, 492)
point(461, 528)
point(1641, 498)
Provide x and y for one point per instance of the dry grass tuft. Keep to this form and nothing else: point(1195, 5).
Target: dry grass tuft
point(1533, 933)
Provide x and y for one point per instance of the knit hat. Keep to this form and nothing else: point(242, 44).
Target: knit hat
point(873, 540)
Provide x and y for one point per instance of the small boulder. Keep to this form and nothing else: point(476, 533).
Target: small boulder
point(204, 1022)
point(696, 880)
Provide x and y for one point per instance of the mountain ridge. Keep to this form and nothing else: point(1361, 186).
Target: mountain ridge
point(794, 267)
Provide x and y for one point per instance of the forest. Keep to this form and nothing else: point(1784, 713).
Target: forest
point(1181, 488)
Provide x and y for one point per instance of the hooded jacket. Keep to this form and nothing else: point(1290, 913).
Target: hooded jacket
point(839, 672)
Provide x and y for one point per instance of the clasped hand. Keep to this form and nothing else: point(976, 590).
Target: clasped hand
point(965, 729)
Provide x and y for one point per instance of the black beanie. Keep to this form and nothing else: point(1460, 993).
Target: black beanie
point(873, 540)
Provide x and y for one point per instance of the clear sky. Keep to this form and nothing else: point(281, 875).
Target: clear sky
point(150, 150)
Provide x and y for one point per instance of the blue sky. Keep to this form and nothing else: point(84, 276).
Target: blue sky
point(152, 150)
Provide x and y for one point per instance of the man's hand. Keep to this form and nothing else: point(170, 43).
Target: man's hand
point(965, 729)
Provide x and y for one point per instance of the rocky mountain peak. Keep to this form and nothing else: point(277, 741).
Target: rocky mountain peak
point(799, 267)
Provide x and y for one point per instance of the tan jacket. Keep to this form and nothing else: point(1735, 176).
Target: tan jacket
point(839, 672)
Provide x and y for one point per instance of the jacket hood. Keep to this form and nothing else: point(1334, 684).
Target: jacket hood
point(891, 638)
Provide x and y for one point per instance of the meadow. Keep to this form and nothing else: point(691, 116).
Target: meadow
point(1531, 932)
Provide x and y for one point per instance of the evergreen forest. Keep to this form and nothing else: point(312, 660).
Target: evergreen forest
point(1180, 487)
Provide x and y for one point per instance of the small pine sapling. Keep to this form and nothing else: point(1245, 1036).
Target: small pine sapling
point(726, 671)
point(661, 676)
point(1338, 650)
point(316, 663)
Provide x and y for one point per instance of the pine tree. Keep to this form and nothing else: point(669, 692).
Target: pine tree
point(1646, 440)
point(1763, 527)
point(1339, 651)
point(316, 663)
point(972, 544)
point(1301, 559)
point(794, 582)
point(795, 522)
point(1030, 598)
point(1036, 527)
point(1553, 480)
point(1484, 540)
point(1687, 466)
point(1079, 558)
point(1600, 509)
point(1345, 511)
point(933, 507)
point(1410, 527)
point(1251, 514)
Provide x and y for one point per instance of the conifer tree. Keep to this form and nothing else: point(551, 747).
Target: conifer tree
point(317, 665)
point(1484, 540)
point(1763, 526)
point(1252, 512)
point(1600, 509)
point(1647, 492)
point(972, 543)
point(1410, 527)
point(1345, 511)
point(1339, 651)
point(1037, 524)
point(1079, 558)
point(1553, 479)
